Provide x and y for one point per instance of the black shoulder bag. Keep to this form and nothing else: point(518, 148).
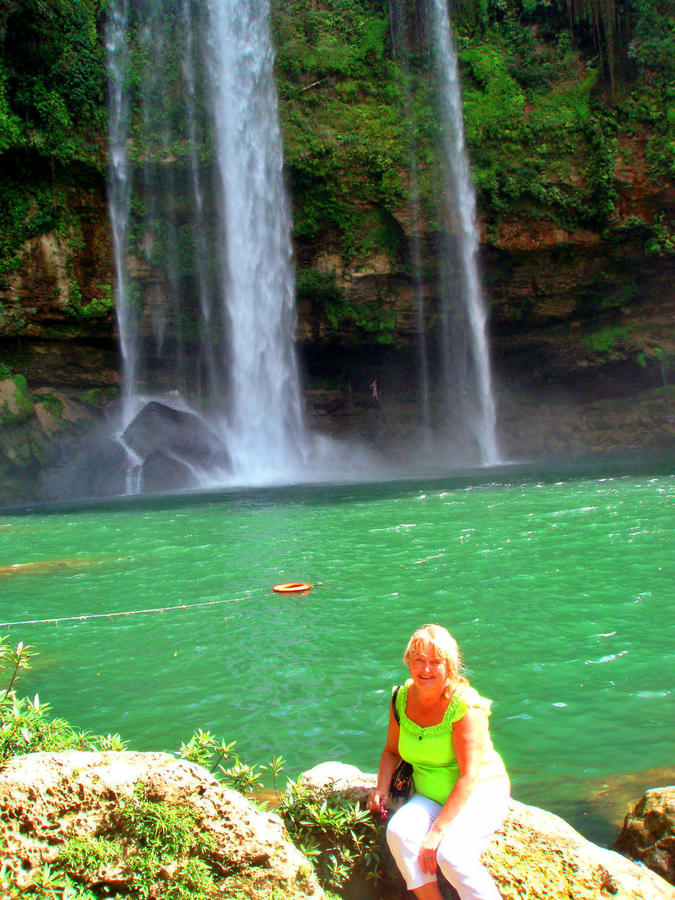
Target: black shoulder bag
point(402, 780)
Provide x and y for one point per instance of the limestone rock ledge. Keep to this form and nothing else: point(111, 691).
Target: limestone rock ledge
point(537, 855)
point(48, 798)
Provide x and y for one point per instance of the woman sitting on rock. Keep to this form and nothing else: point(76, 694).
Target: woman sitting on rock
point(440, 726)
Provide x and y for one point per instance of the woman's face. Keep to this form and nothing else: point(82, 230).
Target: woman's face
point(428, 670)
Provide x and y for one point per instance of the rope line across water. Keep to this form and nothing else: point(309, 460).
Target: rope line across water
point(111, 615)
point(161, 609)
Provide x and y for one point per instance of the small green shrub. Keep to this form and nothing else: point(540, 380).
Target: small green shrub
point(98, 308)
point(604, 341)
point(147, 839)
point(335, 833)
point(53, 405)
point(99, 396)
point(319, 289)
point(661, 241)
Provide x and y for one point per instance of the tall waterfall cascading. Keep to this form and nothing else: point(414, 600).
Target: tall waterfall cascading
point(466, 359)
point(203, 265)
point(265, 405)
point(119, 187)
point(205, 285)
point(458, 402)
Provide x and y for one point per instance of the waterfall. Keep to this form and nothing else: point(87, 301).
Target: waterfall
point(204, 276)
point(119, 187)
point(266, 416)
point(201, 226)
point(467, 380)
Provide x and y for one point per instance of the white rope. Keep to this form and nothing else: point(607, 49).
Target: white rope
point(111, 615)
point(161, 609)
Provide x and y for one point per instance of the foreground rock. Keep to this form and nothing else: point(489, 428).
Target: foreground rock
point(48, 799)
point(535, 854)
point(648, 833)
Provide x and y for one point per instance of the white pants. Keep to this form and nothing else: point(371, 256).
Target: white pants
point(463, 842)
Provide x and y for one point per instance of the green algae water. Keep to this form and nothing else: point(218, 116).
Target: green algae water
point(559, 590)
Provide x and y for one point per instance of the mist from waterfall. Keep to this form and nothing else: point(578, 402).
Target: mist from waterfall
point(201, 226)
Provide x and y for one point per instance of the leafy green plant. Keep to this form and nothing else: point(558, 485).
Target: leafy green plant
point(158, 846)
point(204, 749)
point(335, 833)
point(662, 240)
point(604, 341)
point(26, 724)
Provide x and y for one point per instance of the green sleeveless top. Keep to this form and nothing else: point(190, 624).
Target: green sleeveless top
point(430, 750)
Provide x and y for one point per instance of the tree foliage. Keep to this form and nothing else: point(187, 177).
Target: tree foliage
point(52, 97)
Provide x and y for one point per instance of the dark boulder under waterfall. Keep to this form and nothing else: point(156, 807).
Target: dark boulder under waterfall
point(172, 445)
point(162, 449)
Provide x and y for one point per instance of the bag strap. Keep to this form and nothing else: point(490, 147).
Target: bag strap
point(393, 703)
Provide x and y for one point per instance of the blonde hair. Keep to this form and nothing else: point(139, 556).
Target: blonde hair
point(443, 644)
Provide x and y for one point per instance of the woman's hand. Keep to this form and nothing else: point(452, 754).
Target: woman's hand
point(377, 802)
point(427, 855)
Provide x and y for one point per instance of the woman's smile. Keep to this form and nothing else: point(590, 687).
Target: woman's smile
point(427, 669)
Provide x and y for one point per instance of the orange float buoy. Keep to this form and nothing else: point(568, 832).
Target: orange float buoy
point(292, 587)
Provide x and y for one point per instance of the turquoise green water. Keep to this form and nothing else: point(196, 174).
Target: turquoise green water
point(559, 592)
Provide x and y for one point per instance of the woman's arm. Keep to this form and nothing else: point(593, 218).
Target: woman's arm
point(377, 800)
point(468, 739)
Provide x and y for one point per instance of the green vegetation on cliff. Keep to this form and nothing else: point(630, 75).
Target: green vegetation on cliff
point(548, 87)
point(546, 97)
point(52, 121)
point(345, 141)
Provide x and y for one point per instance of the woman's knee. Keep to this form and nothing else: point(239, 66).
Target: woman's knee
point(457, 856)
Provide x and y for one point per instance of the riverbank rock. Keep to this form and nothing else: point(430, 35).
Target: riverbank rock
point(50, 799)
point(340, 778)
point(535, 854)
point(648, 833)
